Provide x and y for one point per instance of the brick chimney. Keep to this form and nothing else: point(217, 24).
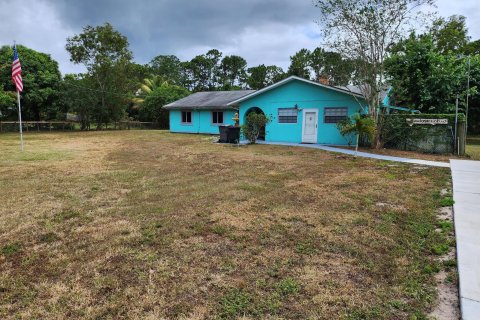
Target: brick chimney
point(324, 80)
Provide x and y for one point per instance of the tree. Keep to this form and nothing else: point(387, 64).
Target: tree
point(450, 35)
point(203, 71)
point(104, 52)
point(41, 80)
point(152, 107)
point(422, 78)
point(261, 76)
point(472, 48)
point(78, 94)
point(7, 104)
point(357, 125)
point(330, 67)
point(426, 78)
point(300, 64)
point(233, 72)
point(146, 87)
point(169, 67)
point(363, 31)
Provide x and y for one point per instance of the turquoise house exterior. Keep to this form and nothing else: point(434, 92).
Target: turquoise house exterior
point(204, 112)
point(301, 111)
point(201, 121)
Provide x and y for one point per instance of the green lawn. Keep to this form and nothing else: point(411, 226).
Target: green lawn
point(153, 225)
point(473, 147)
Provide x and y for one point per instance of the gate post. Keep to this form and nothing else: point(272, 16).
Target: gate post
point(462, 137)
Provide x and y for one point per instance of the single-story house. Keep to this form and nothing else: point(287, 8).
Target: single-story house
point(302, 111)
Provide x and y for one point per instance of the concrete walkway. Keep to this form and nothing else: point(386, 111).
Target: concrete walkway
point(466, 194)
point(362, 154)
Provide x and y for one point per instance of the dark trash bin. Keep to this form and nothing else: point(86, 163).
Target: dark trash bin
point(223, 134)
point(233, 134)
point(229, 134)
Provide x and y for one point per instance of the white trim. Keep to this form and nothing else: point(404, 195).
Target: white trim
point(291, 78)
point(303, 125)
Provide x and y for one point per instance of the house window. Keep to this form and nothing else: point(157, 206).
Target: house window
point(334, 115)
point(187, 117)
point(287, 115)
point(217, 117)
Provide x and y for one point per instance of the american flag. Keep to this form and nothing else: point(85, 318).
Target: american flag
point(17, 71)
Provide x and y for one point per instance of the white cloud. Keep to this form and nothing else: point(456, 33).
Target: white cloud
point(37, 26)
point(257, 30)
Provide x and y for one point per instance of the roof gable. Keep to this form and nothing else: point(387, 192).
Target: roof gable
point(345, 90)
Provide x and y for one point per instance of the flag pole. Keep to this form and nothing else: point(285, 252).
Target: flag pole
point(20, 119)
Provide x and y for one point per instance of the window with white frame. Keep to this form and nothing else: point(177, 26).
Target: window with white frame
point(186, 117)
point(217, 117)
point(287, 115)
point(334, 115)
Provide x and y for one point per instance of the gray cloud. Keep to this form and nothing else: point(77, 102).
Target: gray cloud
point(262, 31)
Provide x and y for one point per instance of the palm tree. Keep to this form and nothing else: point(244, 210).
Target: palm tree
point(359, 125)
point(146, 87)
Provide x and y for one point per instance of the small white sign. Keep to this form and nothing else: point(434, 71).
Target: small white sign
point(432, 122)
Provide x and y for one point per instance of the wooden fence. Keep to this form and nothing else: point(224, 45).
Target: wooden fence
point(12, 126)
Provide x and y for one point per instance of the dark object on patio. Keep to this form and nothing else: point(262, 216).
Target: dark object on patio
point(229, 134)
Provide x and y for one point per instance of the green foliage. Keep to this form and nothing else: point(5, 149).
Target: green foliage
point(41, 81)
point(104, 52)
point(441, 249)
point(10, 249)
point(363, 31)
point(447, 202)
point(426, 79)
point(305, 247)
point(326, 66)
point(169, 68)
point(331, 67)
point(76, 95)
point(450, 35)
point(235, 303)
point(98, 47)
point(152, 107)
point(254, 123)
point(300, 64)
point(287, 287)
point(233, 72)
point(397, 133)
point(359, 125)
point(262, 76)
point(203, 71)
point(7, 104)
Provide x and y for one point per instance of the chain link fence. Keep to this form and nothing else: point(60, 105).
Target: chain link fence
point(428, 133)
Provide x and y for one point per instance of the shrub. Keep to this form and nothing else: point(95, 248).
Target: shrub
point(253, 126)
point(358, 125)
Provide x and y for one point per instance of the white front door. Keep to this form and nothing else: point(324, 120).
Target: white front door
point(309, 127)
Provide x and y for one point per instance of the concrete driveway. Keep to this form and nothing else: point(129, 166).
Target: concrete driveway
point(466, 194)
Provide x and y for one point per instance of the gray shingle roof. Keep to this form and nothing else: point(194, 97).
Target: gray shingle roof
point(208, 100)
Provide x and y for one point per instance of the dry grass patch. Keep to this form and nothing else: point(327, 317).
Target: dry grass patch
point(148, 224)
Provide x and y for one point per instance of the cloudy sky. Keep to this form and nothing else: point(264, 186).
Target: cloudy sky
point(261, 31)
